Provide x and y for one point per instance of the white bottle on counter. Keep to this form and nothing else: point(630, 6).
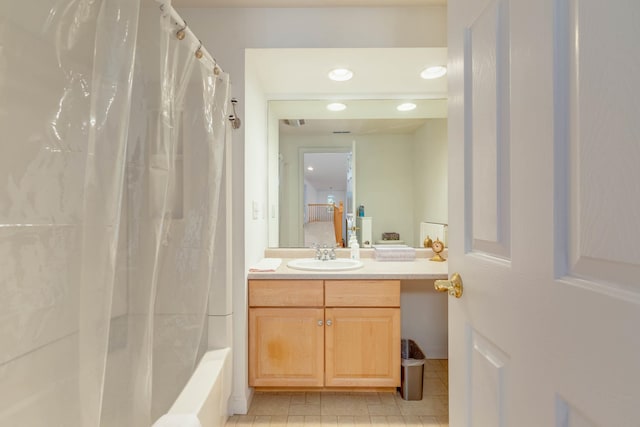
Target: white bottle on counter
point(355, 249)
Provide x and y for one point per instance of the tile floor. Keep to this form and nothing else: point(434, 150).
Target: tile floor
point(354, 409)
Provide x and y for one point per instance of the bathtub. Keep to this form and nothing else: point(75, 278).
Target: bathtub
point(204, 398)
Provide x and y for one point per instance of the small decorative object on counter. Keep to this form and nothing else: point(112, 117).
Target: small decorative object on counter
point(390, 236)
point(361, 210)
point(437, 247)
point(428, 242)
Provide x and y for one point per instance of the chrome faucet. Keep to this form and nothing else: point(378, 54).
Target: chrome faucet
point(324, 253)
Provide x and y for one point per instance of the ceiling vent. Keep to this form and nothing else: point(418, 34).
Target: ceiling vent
point(341, 131)
point(296, 123)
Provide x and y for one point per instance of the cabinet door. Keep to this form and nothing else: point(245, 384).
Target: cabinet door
point(286, 347)
point(362, 347)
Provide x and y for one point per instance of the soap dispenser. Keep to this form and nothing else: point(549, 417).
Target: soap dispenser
point(355, 248)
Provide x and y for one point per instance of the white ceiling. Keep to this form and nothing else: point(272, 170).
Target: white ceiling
point(307, 3)
point(379, 73)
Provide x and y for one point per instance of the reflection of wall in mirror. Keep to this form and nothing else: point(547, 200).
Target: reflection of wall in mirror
point(384, 182)
point(430, 169)
point(401, 179)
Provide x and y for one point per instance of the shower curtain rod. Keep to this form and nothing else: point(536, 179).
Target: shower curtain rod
point(201, 53)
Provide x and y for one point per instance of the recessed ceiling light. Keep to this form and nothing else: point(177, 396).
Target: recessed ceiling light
point(340, 74)
point(310, 168)
point(434, 72)
point(336, 106)
point(407, 106)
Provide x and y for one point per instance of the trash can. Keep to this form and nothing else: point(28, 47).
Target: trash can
point(412, 373)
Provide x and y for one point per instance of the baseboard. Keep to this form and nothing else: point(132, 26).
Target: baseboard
point(437, 353)
point(239, 405)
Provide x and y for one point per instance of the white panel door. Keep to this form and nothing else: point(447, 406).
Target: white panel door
point(544, 190)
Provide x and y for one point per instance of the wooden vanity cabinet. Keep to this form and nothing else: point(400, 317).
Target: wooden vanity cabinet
point(333, 333)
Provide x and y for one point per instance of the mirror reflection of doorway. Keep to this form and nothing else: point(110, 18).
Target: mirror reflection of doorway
point(327, 189)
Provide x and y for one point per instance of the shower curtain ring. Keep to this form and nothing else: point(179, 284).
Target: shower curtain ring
point(181, 33)
point(199, 53)
point(216, 69)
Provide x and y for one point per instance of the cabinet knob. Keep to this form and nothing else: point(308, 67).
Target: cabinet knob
point(329, 322)
point(319, 322)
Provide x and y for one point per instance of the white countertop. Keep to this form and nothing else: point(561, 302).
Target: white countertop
point(419, 269)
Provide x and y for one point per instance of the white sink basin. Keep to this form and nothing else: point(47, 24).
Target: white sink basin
point(339, 264)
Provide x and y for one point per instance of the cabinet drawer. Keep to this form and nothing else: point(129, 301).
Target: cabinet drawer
point(286, 293)
point(362, 293)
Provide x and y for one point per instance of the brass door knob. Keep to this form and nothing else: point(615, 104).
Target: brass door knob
point(453, 286)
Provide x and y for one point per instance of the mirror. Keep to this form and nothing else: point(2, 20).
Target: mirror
point(293, 83)
point(398, 166)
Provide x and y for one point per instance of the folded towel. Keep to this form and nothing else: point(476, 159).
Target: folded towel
point(266, 265)
point(394, 258)
point(394, 253)
point(392, 247)
point(178, 420)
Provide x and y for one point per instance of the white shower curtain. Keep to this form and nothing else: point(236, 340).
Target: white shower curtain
point(110, 171)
